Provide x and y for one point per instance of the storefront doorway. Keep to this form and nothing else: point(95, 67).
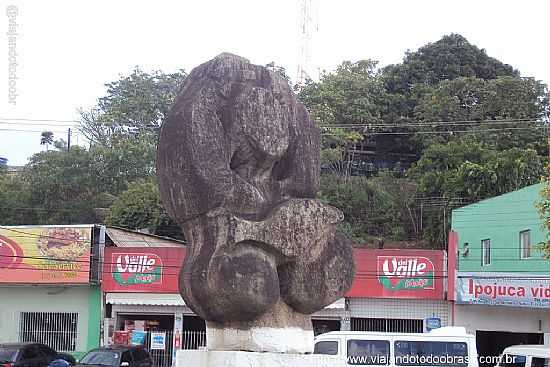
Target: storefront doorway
point(157, 332)
point(321, 326)
point(492, 343)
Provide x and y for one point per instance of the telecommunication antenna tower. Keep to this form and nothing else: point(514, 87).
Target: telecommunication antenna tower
point(308, 25)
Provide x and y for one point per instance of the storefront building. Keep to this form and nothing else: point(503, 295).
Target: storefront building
point(142, 301)
point(397, 290)
point(502, 285)
point(49, 286)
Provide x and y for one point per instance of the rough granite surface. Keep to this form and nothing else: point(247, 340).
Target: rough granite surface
point(238, 168)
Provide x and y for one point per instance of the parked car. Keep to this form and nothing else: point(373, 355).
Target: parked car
point(117, 356)
point(29, 355)
point(446, 346)
point(525, 356)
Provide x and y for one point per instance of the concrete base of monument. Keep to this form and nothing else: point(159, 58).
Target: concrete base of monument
point(261, 339)
point(214, 358)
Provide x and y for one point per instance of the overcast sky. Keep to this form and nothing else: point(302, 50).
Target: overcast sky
point(67, 50)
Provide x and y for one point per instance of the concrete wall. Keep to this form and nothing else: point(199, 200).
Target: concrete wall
point(86, 301)
point(502, 318)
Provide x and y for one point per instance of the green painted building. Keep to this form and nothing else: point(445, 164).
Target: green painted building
point(49, 287)
point(500, 234)
point(502, 286)
point(68, 318)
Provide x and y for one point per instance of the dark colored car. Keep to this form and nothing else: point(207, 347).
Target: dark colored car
point(29, 355)
point(117, 356)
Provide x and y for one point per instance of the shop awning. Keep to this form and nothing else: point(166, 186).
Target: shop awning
point(144, 299)
point(158, 299)
point(338, 305)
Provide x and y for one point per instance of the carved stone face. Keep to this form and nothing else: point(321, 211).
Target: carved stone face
point(238, 168)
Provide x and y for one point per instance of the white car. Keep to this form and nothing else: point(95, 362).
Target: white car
point(525, 356)
point(447, 346)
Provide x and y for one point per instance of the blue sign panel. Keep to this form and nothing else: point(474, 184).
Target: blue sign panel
point(433, 323)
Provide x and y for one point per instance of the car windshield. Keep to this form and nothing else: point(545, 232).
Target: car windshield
point(107, 358)
point(7, 355)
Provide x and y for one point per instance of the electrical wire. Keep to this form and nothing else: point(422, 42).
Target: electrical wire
point(423, 123)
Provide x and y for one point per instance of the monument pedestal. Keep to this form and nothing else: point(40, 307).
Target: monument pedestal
point(213, 358)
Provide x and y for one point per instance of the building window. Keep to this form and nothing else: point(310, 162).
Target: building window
point(58, 330)
point(485, 252)
point(525, 244)
point(387, 325)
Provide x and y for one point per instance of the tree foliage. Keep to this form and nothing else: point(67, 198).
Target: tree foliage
point(353, 94)
point(135, 105)
point(468, 122)
point(79, 185)
point(63, 187)
point(140, 207)
point(544, 210)
point(379, 208)
point(449, 58)
point(469, 171)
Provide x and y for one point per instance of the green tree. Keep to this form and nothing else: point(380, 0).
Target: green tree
point(544, 210)
point(14, 200)
point(126, 160)
point(140, 207)
point(465, 170)
point(374, 209)
point(64, 188)
point(353, 94)
point(135, 105)
point(504, 112)
point(449, 58)
point(46, 138)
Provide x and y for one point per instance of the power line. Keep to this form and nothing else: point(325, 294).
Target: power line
point(38, 120)
point(427, 124)
point(449, 132)
point(33, 131)
point(34, 235)
point(37, 124)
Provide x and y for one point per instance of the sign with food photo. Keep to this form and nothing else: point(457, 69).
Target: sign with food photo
point(45, 254)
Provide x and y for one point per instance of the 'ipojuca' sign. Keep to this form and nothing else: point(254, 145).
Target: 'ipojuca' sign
point(503, 289)
point(142, 269)
point(399, 274)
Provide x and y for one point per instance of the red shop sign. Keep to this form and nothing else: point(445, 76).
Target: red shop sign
point(399, 274)
point(142, 269)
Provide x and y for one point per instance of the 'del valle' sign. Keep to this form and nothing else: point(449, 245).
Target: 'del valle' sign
point(137, 268)
point(142, 269)
point(398, 274)
point(518, 290)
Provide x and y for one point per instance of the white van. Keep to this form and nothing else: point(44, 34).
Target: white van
point(525, 356)
point(447, 346)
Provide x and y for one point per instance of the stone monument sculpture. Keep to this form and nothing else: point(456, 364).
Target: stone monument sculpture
point(238, 168)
